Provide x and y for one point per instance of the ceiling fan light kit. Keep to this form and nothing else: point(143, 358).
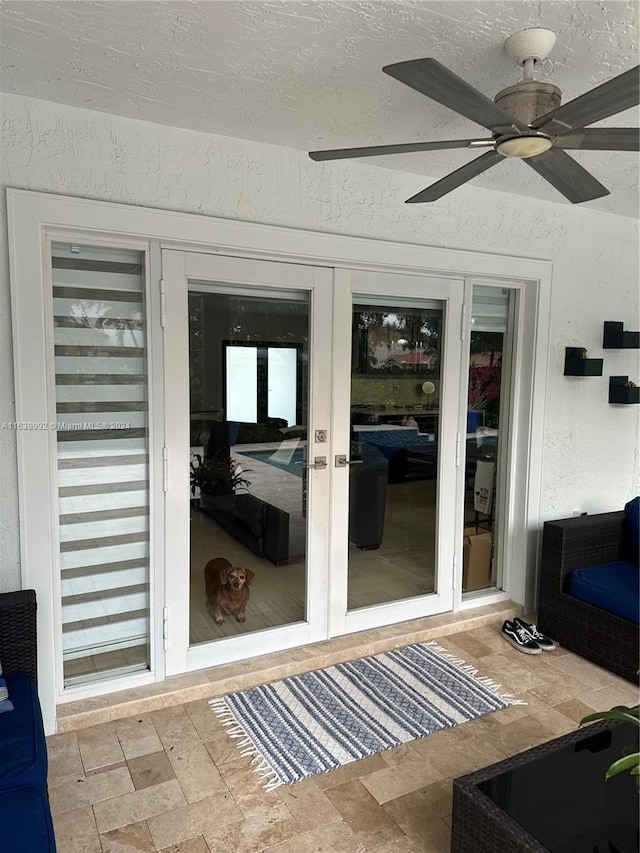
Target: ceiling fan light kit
point(527, 121)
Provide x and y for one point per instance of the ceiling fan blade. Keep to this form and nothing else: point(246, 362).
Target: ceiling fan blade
point(457, 178)
point(377, 150)
point(610, 98)
point(567, 176)
point(601, 139)
point(434, 80)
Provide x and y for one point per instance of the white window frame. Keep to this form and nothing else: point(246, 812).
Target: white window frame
point(33, 218)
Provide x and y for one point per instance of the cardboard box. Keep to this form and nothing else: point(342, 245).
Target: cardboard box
point(476, 565)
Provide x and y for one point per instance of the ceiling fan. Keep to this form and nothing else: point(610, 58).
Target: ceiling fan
point(526, 120)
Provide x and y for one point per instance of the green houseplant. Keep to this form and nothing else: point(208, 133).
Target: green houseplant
point(631, 761)
point(216, 476)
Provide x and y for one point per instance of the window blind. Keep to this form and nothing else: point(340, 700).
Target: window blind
point(490, 309)
point(101, 382)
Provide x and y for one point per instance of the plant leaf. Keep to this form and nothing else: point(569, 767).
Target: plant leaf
point(620, 712)
point(626, 763)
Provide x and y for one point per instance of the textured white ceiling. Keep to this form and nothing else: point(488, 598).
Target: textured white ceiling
point(308, 74)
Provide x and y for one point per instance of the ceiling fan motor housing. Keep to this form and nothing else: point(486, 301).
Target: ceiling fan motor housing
point(528, 101)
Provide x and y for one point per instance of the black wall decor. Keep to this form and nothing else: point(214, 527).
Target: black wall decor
point(621, 392)
point(614, 337)
point(576, 363)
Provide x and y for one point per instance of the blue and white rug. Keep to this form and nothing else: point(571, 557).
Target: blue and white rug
point(312, 723)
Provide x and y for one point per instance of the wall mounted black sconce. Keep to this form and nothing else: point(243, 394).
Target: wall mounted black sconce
point(615, 337)
point(623, 391)
point(576, 363)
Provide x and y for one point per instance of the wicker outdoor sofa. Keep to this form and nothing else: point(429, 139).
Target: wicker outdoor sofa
point(600, 636)
point(25, 817)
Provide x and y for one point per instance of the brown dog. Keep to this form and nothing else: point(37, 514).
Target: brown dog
point(227, 589)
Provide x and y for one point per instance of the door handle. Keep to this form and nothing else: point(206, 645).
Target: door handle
point(343, 462)
point(318, 464)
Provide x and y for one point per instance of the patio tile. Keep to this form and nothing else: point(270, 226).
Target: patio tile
point(206, 817)
point(76, 831)
point(137, 736)
point(369, 822)
point(174, 726)
point(138, 805)
point(335, 838)
point(64, 756)
point(83, 791)
point(149, 770)
point(355, 770)
point(420, 814)
point(247, 787)
point(574, 709)
point(134, 838)
point(195, 771)
point(255, 832)
point(193, 845)
point(409, 774)
point(99, 746)
point(310, 806)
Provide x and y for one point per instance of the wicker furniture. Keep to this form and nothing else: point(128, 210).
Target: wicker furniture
point(577, 543)
point(18, 640)
point(569, 806)
point(25, 817)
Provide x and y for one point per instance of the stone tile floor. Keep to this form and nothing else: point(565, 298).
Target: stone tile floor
point(172, 780)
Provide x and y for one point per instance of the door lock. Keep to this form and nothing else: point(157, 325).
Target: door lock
point(321, 436)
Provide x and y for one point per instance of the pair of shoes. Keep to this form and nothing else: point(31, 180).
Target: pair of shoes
point(542, 640)
point(525, 637)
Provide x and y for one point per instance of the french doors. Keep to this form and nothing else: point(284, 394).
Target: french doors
point(311, 434)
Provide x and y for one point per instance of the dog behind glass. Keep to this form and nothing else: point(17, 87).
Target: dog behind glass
point(227, 589)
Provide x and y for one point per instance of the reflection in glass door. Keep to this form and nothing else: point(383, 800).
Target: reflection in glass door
point(393, 478)
point(248, 375)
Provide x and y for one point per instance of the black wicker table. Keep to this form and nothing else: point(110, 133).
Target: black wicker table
point(551, 799)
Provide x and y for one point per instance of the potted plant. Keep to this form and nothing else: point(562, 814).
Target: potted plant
point(214, 478)
point(630, 761)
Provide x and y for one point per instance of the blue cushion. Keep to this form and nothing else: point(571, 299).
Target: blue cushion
point(23, 749)
point(632, 514)
point(612, 587)
point(25, 819)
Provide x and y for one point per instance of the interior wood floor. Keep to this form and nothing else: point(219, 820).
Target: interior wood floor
point(401, 568)
point(172, 780)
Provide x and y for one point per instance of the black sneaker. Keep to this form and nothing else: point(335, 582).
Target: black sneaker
point(520, 638)
point(543, 641)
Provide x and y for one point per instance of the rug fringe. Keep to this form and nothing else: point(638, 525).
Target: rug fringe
point(246, 745)
point(489, 683)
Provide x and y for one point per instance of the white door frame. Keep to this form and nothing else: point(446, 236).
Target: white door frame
point(31, 215)
point(179, 270)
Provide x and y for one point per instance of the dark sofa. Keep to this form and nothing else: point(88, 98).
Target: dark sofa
point(25, 818)
point(367, 496)
point(595, 547)
point(262, 527)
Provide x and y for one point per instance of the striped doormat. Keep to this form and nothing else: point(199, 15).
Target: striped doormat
point(312, 723)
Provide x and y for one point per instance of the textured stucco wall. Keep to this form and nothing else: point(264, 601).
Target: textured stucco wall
point(591, 455)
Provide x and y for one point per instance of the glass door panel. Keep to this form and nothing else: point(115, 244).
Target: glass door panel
point(393, 478)
point(249, 407)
